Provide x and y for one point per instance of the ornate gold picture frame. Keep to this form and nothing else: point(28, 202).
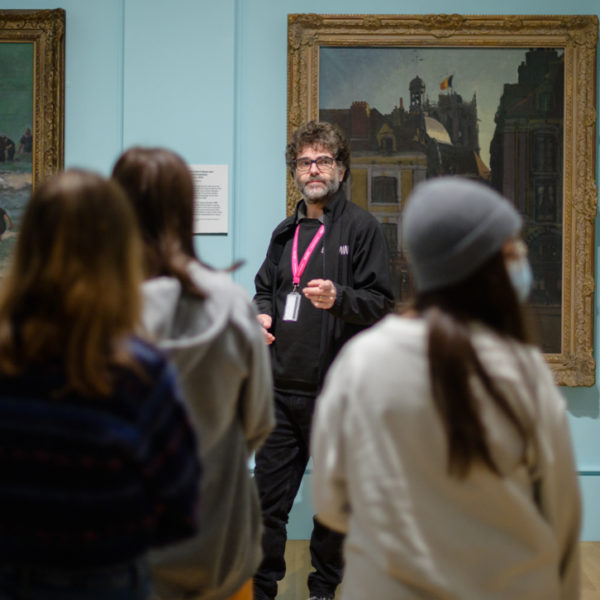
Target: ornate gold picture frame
point(32, 54)
point(542, 148)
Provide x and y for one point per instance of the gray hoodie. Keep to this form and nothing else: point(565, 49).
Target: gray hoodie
point(221, 358)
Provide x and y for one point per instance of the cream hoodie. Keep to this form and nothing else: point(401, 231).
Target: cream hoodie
point(414, 532)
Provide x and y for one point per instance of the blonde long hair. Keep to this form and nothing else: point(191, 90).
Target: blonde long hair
point(72, 290)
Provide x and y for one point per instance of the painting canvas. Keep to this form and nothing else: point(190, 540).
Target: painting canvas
point(16, 139)
point(494, 115)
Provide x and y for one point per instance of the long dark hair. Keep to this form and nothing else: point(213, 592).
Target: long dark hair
point(486, 297)
point(160, 187)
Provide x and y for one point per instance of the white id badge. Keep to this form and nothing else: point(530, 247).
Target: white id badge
point(292, 306)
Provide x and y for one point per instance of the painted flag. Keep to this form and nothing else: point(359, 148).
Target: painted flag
point(446, 83)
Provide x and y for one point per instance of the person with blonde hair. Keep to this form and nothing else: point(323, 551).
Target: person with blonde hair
point(97, 455)
point(441, 444)
point(207, 325)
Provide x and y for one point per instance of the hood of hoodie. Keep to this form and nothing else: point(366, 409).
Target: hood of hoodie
point(178, 321)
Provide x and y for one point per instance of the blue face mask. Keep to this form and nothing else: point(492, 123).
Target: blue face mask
point(521, 277)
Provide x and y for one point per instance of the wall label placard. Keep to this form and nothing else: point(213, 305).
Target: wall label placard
point(211, 201)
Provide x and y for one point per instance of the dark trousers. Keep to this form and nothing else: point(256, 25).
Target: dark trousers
point(279, 467)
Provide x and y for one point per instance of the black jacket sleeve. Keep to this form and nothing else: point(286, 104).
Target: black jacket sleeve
point(263, 283)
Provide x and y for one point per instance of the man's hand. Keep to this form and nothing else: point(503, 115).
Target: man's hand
point(321, 292)
point(265, 322)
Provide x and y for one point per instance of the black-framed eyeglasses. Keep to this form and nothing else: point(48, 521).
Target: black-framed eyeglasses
point(324, 163)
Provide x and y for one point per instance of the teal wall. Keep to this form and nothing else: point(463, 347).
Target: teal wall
point(208, 79)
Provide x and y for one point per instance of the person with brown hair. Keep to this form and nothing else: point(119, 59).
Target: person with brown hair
point(441, 444)
point(97, 455)
point(207, 325)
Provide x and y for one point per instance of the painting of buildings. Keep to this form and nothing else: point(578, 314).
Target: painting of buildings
point(526, 157)
point(438, 133)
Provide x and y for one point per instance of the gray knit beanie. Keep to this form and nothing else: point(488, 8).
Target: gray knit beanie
point(451, 226)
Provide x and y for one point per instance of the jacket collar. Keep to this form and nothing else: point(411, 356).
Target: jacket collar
point(331, 211)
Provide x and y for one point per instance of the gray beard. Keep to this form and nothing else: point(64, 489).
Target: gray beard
point(317, 196)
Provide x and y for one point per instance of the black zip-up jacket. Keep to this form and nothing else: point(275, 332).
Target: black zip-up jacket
point(355, 259)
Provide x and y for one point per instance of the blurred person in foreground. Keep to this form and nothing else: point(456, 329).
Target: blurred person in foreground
point(441, 444)
point(207, 325)
point(97, 455)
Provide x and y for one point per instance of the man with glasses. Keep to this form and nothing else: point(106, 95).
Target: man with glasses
point(325, 278)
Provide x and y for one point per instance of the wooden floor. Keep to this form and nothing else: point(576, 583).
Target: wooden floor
point(297, 560)
point(297, 557)
point(590, 570)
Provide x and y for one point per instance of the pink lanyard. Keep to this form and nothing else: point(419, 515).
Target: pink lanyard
point(298, 269)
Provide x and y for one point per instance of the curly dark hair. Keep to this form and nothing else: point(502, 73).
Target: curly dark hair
point(322, 134)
